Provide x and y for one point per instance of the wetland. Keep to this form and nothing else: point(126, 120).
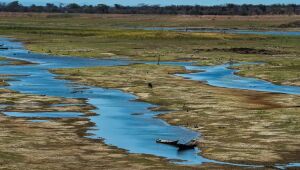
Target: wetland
point(102, 96)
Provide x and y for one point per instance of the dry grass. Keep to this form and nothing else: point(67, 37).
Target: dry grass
point(104, 36)
point(59, 143)
point(263, 21)
point(236, 125)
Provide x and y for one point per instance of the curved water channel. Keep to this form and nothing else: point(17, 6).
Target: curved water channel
point(225, 31)
point(117, 121)
point(117, 117)
point(223, 76)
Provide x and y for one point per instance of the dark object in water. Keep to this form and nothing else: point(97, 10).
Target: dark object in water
point(189, 145)
point(150, 85)
point(168, 142)
point(3, 48)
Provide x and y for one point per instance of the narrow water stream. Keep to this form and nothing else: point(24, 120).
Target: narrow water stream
point(117, 121)
point(223, 76)
point(217, 30)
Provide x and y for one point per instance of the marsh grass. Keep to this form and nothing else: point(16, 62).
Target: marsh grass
point(105, 36)
point(59, 143)
point(277, 71)
point(236, 125)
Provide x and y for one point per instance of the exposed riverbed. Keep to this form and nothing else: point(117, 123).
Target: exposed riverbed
point(116, 118)
point(120, 116)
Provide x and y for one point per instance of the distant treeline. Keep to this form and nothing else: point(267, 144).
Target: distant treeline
point(228, 9)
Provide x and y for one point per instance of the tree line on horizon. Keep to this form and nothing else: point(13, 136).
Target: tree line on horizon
point(228, 9)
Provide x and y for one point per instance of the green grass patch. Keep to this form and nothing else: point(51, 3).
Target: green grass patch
point(105, 36)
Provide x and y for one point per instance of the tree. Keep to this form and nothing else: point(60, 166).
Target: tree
point(229, 9)
point(102, 8)
point(73, 7)
point(51, 8)
point(14, 6)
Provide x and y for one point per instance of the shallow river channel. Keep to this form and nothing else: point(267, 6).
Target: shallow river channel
point(121, 120)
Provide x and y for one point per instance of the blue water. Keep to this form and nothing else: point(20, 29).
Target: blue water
point(227, 31)
point(290, 166)
point(39, 121)
point(223, 76)
point(116, 121)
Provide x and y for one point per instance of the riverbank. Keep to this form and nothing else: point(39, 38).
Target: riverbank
point(237, 125)
point(60, 143)
point(278, 73)
point(106, 36)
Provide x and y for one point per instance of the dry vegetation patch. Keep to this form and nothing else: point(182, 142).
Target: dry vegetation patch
point(236, 125)
point(59, 143)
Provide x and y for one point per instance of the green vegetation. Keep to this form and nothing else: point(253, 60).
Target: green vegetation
point(8, 156)
point(278, 71)
point(105, 36)
point(229, 9)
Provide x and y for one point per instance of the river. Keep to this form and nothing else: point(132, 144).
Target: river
point(117, 121)
point(225, 31)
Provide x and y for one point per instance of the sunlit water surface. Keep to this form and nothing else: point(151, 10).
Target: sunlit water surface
point(225, 31)
point(117, 121)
